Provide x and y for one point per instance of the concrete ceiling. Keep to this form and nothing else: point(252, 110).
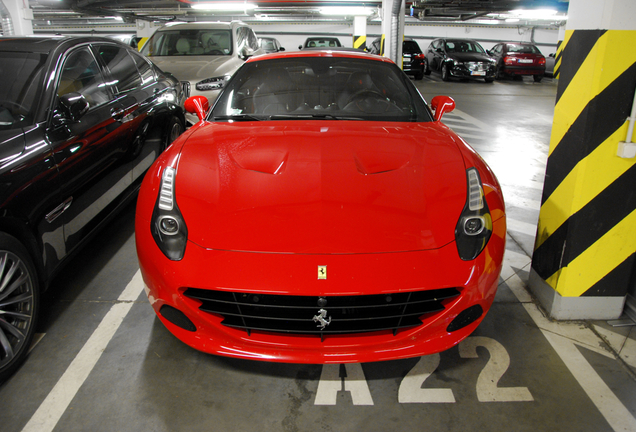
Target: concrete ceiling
point(73, 12)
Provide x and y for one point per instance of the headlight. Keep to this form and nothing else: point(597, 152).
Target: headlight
point(475, 224)
point(167, 226)
point(215, 83)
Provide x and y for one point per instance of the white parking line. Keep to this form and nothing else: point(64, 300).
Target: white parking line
point(58, 400)
point(562, 338)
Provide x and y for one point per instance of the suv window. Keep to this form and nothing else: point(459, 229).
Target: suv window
point(121, 66)
point(189, 42)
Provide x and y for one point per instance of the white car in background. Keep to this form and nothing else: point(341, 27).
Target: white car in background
point(202, 55)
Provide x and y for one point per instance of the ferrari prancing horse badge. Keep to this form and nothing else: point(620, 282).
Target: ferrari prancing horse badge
point(322, 272)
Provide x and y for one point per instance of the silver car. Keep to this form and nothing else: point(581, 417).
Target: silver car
point(202, 55)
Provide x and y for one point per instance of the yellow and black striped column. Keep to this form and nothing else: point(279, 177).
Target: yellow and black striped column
point(585, 250)
point(360, 32)
point(557, 59)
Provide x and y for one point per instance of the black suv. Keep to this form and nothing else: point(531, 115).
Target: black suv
point(412, 56)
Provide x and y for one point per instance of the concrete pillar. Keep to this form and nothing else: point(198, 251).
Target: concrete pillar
point(21, 17)
point(360, 32)
point(145, 29)
point(393, 29)
point(585, 250)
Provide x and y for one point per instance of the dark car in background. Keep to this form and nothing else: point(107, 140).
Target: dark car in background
point(518, 59)
point(81, 120)
point(459, 58)
point(412, 56)
point(320, 42)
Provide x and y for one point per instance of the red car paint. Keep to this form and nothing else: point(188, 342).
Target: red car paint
point(268, 202)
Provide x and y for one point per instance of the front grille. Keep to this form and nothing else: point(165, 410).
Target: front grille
point(299, 314)
point(185, 86)
point(477, 66)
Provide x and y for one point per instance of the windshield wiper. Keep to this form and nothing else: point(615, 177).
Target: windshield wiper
point(311, 116)
point(238, 117)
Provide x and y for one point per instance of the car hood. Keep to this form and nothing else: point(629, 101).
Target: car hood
point(469, 57)
point(196, 68)
point(321, 187)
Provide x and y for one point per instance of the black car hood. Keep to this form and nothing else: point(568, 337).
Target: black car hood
point(468, 57)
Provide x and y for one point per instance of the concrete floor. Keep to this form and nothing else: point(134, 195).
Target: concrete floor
point(104, 362)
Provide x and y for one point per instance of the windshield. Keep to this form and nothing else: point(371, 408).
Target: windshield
point(20, 83)
point(320, 88)
point(322, 43)
point(463, 47)
point(189, 42)
point(524, 49)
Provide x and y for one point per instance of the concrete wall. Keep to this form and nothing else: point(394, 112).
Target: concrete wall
point(292, 35)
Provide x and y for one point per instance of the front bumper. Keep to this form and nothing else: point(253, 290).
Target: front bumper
point(523, 70)
point(296, 274)
point(468, 70)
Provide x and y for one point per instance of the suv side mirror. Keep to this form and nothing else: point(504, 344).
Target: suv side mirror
point(246, 53)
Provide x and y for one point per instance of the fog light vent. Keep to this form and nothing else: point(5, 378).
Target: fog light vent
point(465, 317)
point(176, 317)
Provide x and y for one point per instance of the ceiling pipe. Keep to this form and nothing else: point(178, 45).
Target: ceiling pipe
point(7, 22)
point(395, 29)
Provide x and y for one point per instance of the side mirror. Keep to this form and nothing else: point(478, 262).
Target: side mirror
point(441, 105)
point(281, 49)
point(246, 53)
point(300, 47)
point(197, 105)
point(74, 106)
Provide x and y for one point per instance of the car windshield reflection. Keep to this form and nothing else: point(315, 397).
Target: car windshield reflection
point(320, 89)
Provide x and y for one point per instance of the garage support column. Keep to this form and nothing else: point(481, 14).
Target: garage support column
point(585, 249)
point(393, 29)
point(145, 29)
point(21, 17)
point(360, 32)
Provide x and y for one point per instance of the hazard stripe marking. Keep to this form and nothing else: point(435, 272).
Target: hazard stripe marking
point(578, 195)
point(559, 250)
point(569, 113)
point(597, 261)
point(613, 283)
point(591, 129)
point(576, 49)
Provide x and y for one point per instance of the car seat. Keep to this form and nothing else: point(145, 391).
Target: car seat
point(277, 94)
point(183, 46)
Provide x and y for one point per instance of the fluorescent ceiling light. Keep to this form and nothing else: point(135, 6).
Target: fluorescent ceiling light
point(225, 6)
point(338, 10)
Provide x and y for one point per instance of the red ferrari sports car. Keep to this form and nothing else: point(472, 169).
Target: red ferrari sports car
point(320, 212)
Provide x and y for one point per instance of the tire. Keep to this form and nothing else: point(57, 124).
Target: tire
point(19, 304)
point(427, 70)
point(500, 74)
point(419, 75)
point(537, 78)
point(489, 80)
point(445, 74)
point(172, 131)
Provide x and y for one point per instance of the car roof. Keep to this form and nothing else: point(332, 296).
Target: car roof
point(321, 52)
point(42, 44)
point(201, 25)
